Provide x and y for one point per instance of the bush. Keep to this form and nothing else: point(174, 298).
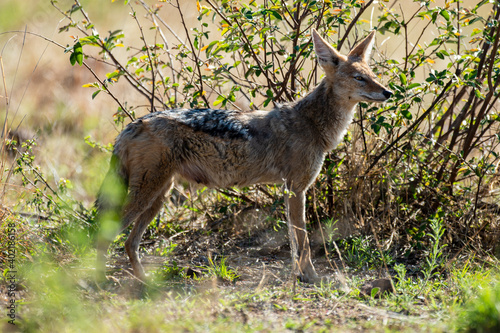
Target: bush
point(432, 146)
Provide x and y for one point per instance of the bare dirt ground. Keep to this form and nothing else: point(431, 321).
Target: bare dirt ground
point(265, 294)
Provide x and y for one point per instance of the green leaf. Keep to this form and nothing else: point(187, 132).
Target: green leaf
point(402, 78)
point(374, 292)
point(113, 74)
point(94, 40)
point(77, 55)
point(276, 15)
point(75, 9)
point(95, 93)
point(407, 114)
point(445, 14)
point(413, 85)
point(72, 59)
point(441, 54)
point(219, 100)
point(210, 46)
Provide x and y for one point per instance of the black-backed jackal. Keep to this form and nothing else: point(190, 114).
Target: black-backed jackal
point(220, 148)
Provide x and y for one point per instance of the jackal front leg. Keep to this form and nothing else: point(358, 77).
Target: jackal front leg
point(299, 242)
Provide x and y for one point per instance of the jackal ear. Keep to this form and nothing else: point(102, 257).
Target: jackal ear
point(327, 55)
point(363, 50)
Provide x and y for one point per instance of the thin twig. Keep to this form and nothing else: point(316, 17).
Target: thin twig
point(137, 84)
point(238, 196)
point(153, 86)
point(353, 22)
point(197, 61)
point(409, 129)
point(154, 18)
point(271, 83)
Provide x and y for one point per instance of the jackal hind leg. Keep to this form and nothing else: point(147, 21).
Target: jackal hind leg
point(104, 242)
point(134, 239)
point(295, 203)
point(136, 206)
point(105, 238)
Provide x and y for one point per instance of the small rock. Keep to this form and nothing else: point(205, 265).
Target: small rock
point(383, 285)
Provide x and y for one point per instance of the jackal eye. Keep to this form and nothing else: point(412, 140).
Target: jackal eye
point(359, 78)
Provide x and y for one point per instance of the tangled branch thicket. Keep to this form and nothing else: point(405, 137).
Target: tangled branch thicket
point(431, 152)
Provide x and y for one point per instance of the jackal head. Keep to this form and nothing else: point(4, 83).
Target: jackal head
point(350, 75)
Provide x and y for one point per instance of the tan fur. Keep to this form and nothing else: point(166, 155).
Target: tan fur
point(286, 145)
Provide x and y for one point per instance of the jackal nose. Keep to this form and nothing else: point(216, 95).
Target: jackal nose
point(387, 93)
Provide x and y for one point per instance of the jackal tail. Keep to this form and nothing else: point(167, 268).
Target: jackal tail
point(114, 188)
point(109, 205)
